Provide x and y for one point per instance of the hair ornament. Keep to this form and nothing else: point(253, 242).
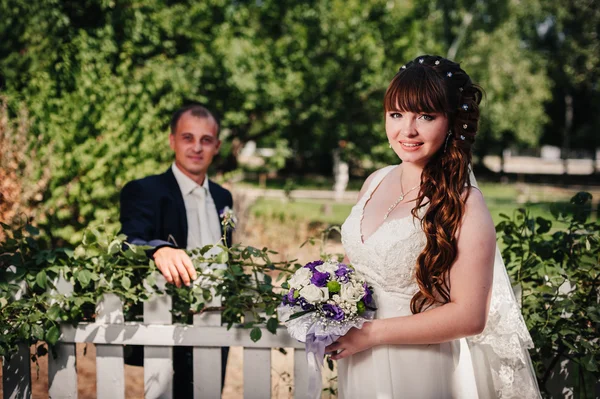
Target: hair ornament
point(449, 74)
point(462, 137)
point(403, 67)
point(421, 60)
point(460, 89)
point(465, 126)
point(465, 107)
point(437, 62)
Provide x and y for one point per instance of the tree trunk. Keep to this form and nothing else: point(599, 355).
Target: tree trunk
point(567, 131)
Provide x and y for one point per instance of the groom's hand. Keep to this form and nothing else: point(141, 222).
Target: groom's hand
point(175, 265)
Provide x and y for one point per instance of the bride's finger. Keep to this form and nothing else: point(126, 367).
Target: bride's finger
point(332, 348)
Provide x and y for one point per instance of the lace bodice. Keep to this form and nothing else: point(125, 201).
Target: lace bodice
point(388, 256)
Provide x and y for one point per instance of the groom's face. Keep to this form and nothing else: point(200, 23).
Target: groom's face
point(195, 143)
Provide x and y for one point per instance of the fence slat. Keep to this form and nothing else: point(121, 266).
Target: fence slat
point(158, 360)
point(16, 374)
point(300, 374)
point(62, 370)
point(207, 361)
point(110, 369)
point(257, 373)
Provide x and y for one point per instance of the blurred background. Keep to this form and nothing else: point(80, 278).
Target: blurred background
point(87, 89)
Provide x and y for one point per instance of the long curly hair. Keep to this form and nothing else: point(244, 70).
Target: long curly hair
point(437, 85)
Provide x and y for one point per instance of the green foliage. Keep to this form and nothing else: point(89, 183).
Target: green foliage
point(558, 272)
point(100, 89)
point(32, 308)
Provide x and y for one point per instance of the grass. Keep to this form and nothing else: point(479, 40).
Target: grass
point(500, 198)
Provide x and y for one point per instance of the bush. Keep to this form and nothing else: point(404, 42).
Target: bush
point(559, 276)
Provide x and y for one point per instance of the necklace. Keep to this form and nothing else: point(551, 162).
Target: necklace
point(400, 198)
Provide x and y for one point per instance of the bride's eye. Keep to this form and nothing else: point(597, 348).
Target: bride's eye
point(395, 115)
point(427, 117)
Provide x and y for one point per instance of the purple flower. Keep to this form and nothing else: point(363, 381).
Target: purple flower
point(333, 312)
point(312, 265)
point(319, 279)
point(368, 296)
point(342, 273)
point(289, 298)
point(305, 305)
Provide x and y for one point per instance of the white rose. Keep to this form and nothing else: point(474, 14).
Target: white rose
point(314, 294)
point(352, 292)
point(327, 268)
point(300, 278)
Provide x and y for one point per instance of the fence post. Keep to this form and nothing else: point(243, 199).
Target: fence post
point(158, 360)
point(62, 371)
point(207, 361)
point(110, 369)
point(257, 367)
point(16, 371)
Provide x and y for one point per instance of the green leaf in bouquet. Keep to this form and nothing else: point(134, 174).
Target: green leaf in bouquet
point(300, 314)
point(255, 334)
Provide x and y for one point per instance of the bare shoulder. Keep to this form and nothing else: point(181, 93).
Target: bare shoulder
point(477, 221)
point(368, 181)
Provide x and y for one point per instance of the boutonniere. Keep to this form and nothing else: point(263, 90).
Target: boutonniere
point(228, 219)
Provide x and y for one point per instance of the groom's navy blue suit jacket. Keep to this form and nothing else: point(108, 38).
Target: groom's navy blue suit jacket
point(153, 211)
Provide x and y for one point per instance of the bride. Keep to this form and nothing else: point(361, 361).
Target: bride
point(447, 324)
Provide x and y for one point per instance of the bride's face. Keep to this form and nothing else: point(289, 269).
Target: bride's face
point(416, 137)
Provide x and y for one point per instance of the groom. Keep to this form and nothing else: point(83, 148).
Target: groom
point(179, 210)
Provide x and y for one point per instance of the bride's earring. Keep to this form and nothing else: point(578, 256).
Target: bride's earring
point(390, 145)
point(447, 138)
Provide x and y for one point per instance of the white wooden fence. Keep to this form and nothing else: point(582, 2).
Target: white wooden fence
point(109, 333)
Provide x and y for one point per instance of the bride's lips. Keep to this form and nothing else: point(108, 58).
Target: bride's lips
point(408, 146)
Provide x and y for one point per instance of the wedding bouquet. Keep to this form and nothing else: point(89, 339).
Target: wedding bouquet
point(325, 300)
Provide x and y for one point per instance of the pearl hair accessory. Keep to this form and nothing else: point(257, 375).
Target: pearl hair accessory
point(449, 74)
point(465, 107)
point(462, 137)
point(465, 126)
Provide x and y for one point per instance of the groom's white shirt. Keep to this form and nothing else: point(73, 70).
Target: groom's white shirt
point(204, 228)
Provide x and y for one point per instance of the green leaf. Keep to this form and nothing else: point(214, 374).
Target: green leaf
point(53, 312)
point(272, 325)
point(37, 331)
point(52, 335)
point(84, 277)
point(126, 282)
point(41, 279)
point(255, 334)
point(222, 257)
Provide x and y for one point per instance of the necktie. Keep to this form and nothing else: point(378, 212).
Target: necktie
point(206, 237)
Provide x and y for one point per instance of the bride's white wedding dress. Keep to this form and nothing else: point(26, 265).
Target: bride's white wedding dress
point(494, 364)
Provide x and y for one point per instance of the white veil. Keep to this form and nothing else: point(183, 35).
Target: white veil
point(499, 355)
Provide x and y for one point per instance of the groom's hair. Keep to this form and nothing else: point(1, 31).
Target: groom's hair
point(198, 110)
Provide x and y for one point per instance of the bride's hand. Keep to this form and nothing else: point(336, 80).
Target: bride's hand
point(356, 340)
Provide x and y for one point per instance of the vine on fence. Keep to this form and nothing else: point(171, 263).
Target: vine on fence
point(31, 307)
